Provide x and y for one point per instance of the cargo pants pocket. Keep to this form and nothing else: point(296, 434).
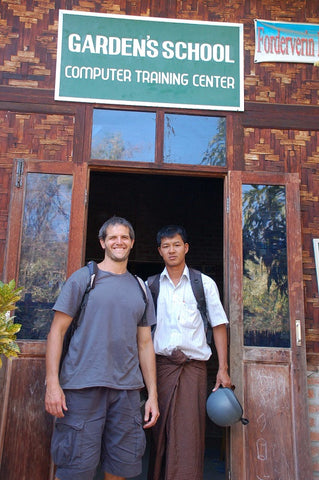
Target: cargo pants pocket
point(66, 442)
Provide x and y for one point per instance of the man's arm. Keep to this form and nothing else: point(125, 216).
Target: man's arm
point(54, 396)
point(220, 339)
point(147, 362)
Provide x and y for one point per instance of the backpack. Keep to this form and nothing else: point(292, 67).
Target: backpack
point(93, 269)
point(198, 291)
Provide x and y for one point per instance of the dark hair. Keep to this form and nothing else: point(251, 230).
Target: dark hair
point(116, 221)
point(170, 231)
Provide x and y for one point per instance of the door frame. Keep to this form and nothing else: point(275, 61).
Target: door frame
point(242, 356)
point(19, 373)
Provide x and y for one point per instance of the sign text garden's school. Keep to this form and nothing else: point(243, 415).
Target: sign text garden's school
point(148, 61)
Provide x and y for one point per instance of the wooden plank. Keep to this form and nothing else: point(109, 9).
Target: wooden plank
point(280, 116)
point(234, 289)
point(269, 449)
point(78, 218)
point(302, 456)
point(26, 421)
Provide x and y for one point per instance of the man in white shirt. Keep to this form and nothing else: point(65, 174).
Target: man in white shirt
point(178, 438)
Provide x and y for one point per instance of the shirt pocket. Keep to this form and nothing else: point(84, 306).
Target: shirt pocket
point(188, 315)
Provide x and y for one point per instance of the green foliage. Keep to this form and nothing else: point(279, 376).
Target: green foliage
point(9, 295)
point(265, 282)
point(265, 307)
point(264, 232)
point(113, 147)
point(216, 150)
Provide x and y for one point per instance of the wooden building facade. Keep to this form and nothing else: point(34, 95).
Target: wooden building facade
point(272, 147)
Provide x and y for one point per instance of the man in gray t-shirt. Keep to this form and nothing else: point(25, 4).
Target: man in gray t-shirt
point(96, 399)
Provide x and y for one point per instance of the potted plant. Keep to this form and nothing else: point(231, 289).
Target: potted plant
point(9, 295)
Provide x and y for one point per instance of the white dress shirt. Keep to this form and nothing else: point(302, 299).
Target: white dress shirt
point(179, 322)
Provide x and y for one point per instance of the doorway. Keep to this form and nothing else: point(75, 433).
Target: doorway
point(149, 202)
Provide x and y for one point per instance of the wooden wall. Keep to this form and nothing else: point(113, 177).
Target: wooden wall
point(278, 132)
point(28, 38)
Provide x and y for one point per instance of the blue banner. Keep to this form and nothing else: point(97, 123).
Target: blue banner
point(286, 42)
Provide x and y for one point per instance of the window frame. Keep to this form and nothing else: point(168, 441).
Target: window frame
point(158, 164)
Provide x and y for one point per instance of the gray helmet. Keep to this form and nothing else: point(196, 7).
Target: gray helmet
point(224, 409)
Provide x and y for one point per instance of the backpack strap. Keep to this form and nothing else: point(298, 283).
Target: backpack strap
point(198, 291)
point(143, 290)
point(153, 285)
point(93, 269)
point(142, 287)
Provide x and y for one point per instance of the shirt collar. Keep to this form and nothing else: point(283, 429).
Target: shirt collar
point(184, 274)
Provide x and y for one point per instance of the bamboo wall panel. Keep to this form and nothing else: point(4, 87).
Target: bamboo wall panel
point(28, 38)
point(270, 150)
point(310, 230)
point(29, 136)
point(286, 83)
point(36, 136)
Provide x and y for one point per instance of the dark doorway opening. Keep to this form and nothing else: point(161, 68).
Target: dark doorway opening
point(149, 202)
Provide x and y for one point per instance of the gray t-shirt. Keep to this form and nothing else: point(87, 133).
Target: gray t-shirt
point(103, 350)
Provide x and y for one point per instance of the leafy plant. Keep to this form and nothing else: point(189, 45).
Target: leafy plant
point(9, 295)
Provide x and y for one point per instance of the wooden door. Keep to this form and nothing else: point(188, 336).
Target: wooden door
point(267, 340)
point(45, 244)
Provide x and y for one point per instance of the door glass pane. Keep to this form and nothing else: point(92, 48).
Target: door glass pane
point(122, 135)
point(195, 140)
point(265, 282)
point(44, 249)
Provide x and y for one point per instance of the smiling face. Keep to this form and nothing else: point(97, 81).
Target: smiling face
point(117, 244)
point(173, 251)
